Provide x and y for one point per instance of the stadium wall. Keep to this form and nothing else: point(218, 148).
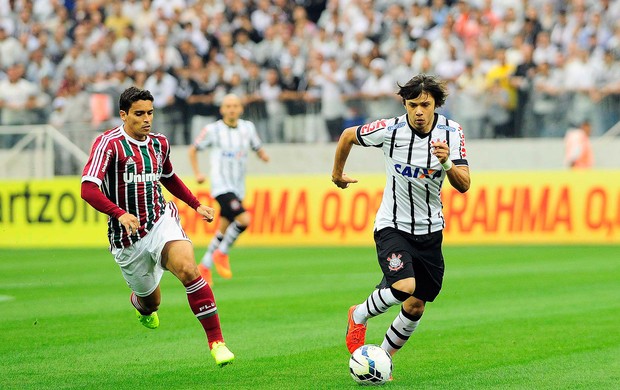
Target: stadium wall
point(546, 207)
point(522, 154)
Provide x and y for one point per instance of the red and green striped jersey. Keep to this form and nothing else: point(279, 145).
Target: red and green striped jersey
point(128, 172)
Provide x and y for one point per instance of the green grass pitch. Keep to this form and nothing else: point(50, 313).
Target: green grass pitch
point(527, 317)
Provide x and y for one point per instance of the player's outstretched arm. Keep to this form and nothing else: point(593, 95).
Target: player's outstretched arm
point(345, 143)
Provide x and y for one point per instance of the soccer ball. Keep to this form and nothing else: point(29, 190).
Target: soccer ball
point(370, 365)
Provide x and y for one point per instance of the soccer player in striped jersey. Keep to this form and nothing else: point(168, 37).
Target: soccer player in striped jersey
point(130, 163)
point(421, 148)
point(230, 139)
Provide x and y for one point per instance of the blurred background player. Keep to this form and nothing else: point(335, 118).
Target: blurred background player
point(146, 238)
point(420, 148)
point(230, 140)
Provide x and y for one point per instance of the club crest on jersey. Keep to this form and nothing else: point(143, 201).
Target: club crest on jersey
point(417, 172)
point(395, 263)
point(235, 205)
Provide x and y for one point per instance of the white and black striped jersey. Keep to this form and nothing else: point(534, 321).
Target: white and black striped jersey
point(229, 154)
point(411, 198)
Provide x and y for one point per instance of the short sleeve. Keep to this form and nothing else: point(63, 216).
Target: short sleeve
point(205, 138)
point(101, 154)
point(372, 134)
point(167, 170)
point(255, 141)
point(458, 151)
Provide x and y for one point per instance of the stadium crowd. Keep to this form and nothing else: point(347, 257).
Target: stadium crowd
point(307, 69)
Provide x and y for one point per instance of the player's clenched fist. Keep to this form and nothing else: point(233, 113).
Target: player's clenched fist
point(207, 212)
point(343, 181)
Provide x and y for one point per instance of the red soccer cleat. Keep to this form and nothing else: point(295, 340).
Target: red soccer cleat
point(222, 265)
point(206, 274)
point(356, 333)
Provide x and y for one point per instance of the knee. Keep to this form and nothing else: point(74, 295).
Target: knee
point(187, 272)
point(414, 307)
point(405, 285)
point(244, 220)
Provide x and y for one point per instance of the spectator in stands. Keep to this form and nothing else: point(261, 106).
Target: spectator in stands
point(499, 109)
point(123, 44)
point(451, 67)
point(201, 99)
point(164, 56)
point(395, 43)
point(163, 87)
point(378, 91)
point(546, 101)
point(270, 91)
point(117, 21)
point(544, 51)
point(411, 36)
point(355, 113)
point(262, 16)
point(19, 101)
point(579, 82)
point(59, 45)
point(521, 81)
point(39, 66)
point(470, 93)
point(71, 107)
point(293, 97)
point(330, 78)
point(11, 50)
point(500, 73)
point(606, 93)
point(255, 110)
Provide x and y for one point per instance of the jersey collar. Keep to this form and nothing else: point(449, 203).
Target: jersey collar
point(422, 135)
point(133, 140)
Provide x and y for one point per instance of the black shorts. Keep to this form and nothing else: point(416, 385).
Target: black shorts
point(402, 255)
point(230, 205)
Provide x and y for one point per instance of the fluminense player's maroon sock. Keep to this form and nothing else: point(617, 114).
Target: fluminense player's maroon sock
point(202, 302)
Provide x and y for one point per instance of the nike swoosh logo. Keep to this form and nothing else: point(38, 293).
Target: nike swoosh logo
point(399, 146)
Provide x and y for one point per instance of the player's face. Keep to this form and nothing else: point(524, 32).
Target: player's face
point(231, 110)
point(138, 120)
point(421, 111)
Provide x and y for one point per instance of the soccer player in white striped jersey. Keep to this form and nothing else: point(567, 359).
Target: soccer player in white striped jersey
point(421, 148)
point(130, 163)
point(230, 140)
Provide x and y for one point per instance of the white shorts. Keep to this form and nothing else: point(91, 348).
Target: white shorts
point(141, 262)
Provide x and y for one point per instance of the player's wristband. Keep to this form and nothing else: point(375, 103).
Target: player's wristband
point(447, 165)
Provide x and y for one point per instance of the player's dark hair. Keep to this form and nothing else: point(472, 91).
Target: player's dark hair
point(131, 95)
point(423, 83)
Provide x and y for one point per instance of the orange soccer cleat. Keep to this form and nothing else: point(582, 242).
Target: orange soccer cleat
point(222, 265)
point(356, 333)
point(205, 273)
